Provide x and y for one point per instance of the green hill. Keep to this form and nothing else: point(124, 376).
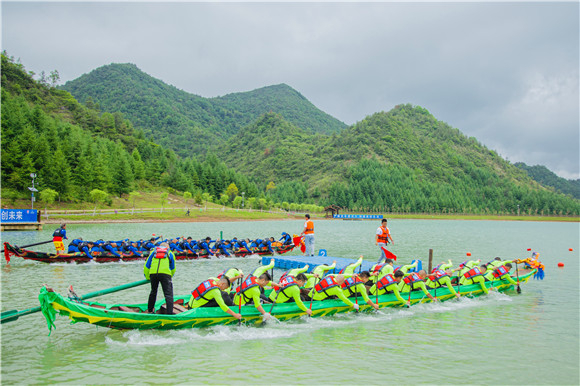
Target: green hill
point(401, 160)
point(188, 123)
point(546, 177)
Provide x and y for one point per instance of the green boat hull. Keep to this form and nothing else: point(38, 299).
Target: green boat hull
point(135, 317)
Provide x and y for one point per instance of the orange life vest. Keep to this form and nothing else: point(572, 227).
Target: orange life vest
point(383, 237)
point(309, 227)
point(204, 288)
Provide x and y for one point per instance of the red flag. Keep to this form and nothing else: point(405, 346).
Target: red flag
point(389, 254)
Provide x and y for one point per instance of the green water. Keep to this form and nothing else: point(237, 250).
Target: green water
point(531, 338)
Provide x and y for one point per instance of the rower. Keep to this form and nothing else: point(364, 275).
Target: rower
point(249, 291)
point(320, 271)
point(502, 272)
point(388, 284)
point(85, 247)
point(354, 286)
point(111, 247)
point(475, 275)
point(415, 281)
point(73, 247)
point(441, 277)
point(286, 239)
point(211, 293)
point(232, 274)
point(204, 245)
point(349, 269)
point(330, 287)
point(289, 291)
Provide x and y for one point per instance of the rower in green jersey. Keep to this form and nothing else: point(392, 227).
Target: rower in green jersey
point(389, 283)
point(354, 286)
point(330, 286)
point(211, 293)
point(475, 275)
point(441, 277)
point(414, 281)
point(297, 271)
point(387, 268)
point(232, 274)
point(250, 291)
point(349, 269)
point(320, 271)
point(289, 291)
point(501, 272)
point(493, 265)
point(263, 268)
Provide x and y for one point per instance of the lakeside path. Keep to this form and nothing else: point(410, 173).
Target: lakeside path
point(266, 216)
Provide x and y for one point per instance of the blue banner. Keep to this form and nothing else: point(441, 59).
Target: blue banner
point(19, 215)
point(359, 216)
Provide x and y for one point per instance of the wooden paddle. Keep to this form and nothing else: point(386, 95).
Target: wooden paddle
point(26, 246)
point(9, 316)
point(519, 290)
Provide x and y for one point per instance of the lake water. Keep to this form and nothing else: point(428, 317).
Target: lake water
point(530, 338)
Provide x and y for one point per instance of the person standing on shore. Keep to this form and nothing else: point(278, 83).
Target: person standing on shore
point(308, 234)
point(57, 237)
point(382, 238)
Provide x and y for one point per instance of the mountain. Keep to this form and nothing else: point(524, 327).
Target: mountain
point(401, 160)
point(188, 123)
point(546, 177)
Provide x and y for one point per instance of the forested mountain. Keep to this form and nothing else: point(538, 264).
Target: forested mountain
point(75, 149)
point(187, 123)
point(546, 177)
point(401, 160)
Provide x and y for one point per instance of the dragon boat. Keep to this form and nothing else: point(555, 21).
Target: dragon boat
point(135, 316)
point(107, 257)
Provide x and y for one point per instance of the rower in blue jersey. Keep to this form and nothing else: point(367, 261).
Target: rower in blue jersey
point(174, 245)
point(286, 239)
point(85, 248)
point(111, 248)
point(204, 245)
point(267, 244)
point(73, 247)
point(222, 246)
point(130, 248)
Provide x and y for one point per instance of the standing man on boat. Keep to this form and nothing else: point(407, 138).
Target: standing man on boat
point(160, 268)
point(57, 238)
point(308, 234)
point(382, 239)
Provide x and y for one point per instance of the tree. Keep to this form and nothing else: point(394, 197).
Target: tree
point(232, 191)
point(98, 196)
point(224, 199)
point(48, 196)
point(237, 202)
point(163, 199)
point(270, 186)
point(133, 196)
point(187, 197)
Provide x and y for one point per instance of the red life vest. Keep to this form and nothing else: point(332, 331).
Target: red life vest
point(325, 284)
point(204, 288)
point(285, 283)
point(463, 264)
point(473, 272)
point(500, 271)
point(384, 236)
point(412, 279)
point(438, 275)
point(350, 282)
point(377, 268)
point(386, 281)
point(160, 252)
point(282, 277)
point(436, 267)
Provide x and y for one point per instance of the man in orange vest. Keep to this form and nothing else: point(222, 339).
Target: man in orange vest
point(308, 234)
point(382, 238)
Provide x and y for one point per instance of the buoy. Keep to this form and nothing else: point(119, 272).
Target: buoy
point(529, 249)
point(570, 249)
point(560, 264)
point(468, 253)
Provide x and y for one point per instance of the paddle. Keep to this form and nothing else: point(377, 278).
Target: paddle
point(29, 245)
point(9, 316)
point(519, 290)
point(313, 294)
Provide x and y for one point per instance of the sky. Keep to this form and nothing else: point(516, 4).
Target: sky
point(504, 73)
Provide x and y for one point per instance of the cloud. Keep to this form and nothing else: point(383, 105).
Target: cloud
point(505, 73)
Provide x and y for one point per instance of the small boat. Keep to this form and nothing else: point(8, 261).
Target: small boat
point(107, 257)
point(135, 316)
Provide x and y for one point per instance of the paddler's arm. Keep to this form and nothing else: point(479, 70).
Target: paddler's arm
point(338, 292)
point(297, 271)
point(395, 289)
point(508, 277)
point(217, 295)
point(481, 281)
point(362, 290)
point(295, 293)
point(421, 284)
point(260, 270)
point(447, 282)
point(406, 268)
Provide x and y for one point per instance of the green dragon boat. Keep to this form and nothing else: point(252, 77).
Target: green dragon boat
point(135, 316)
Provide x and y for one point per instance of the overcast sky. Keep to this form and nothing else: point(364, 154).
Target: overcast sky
point(504, 73)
